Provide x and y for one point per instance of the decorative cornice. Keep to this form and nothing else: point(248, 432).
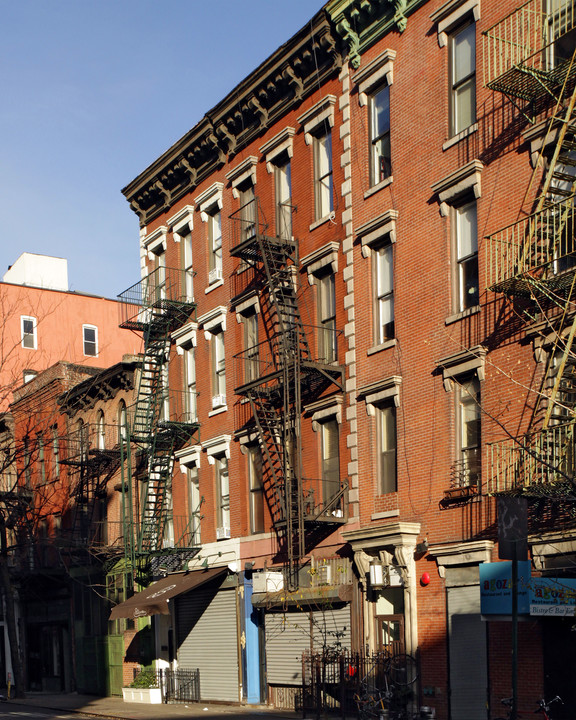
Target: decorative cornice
point(289, 75)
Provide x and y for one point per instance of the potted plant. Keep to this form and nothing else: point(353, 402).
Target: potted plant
point(144, 688)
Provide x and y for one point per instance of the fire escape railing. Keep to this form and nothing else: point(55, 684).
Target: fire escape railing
point(161, 420)
point(277, 376)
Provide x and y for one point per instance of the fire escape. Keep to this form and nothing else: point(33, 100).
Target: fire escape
point(161, 421)
point(530, 58)
point(277, 378)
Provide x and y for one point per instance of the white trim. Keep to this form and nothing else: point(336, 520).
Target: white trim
point(374, 231)
point(321, 111)
point(185, 337)
point(155, 243)
point(212, 319)
point(184, 218)
point(320, 258)
point(188, 457)
point(251, 305)
point(86, 326)
point(381, 392)
point(212, 196)
point(467, 179)
point(452, 13)
point(246, 170)
point(321, 410)
point(34, 331)
point(280, 143)
point(376, 72)
point(219, 445)
point(466, 361)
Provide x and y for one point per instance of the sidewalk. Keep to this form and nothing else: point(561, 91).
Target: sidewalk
point(116, 708)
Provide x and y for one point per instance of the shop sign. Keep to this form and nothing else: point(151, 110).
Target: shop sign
point(496, 588)
point(553, 597)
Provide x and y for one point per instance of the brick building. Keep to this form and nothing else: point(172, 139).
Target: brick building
point(356, 303)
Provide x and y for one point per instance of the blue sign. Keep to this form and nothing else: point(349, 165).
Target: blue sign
point(496, 588)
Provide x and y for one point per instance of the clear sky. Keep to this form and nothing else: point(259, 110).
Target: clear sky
point(92, 92)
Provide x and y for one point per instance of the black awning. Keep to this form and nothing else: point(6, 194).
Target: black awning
point(154, 600)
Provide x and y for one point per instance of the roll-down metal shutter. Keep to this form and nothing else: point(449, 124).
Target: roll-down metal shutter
point(468, 663)
point(290, 634)
point(206, 632)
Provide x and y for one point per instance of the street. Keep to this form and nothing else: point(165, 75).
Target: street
point(26, 712)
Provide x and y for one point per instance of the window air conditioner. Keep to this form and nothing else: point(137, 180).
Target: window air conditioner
point(267, 582)
point(222, 533)
point(324, 574)
point(218, 401)
point(214, 275)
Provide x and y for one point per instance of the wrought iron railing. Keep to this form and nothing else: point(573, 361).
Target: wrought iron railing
point(520, 50)
point(542, 458)
point(160, 288)
point(543, 241)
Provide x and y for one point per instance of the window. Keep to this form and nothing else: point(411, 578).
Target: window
point(214, 246)
point(326, 300)
point(195, 500)
point(323, 193)
point(463, 77)
point(283, 185)
point(468, 424)
point(467, 256)
point(248, 211)
point(41, 459)
point(28, 332)
point(384, 293)
point(190, 383)
point(218, 369)
point(187, 263)
point(100, 431)
point(380, 165)
point(90, 337)
point(27, 463)
point(222, 495)
point(158, 284)
point(386, 448)
point(122, 422)
point(251, 363)
point(330, 457)
point(256, 489)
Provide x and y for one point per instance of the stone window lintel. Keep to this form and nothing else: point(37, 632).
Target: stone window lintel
point(462, 363)
point(467, 179)
point(212, 319)
point(183, 219)
point(320, 258)
point(280, 143)
point(322, 111)
point(373, 232)
point(323, 409)
point(210, 197)
point(219, 445)
point(246, 170)
point(450, 14)
point(251, 304)
point(380, 392)
point(376, 72)
point(188, 456)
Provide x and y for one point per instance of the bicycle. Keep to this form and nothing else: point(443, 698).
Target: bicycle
point(543, 707)
point(385, 688)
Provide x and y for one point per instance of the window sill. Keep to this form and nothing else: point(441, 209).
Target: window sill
point(217, 411)
point(322, 221)
point(386, 514)
point(213, 286)
point(383, 346)
point(375, 188)
point(461, 315)
point(461, 135)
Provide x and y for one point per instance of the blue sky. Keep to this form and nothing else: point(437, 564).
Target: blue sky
point(92, 92)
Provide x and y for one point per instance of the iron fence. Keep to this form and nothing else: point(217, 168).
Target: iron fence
point(179, 686)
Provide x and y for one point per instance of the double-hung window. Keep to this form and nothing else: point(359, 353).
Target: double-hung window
point(90, 340)
point(386, 448)
point(248, 210)
point(283, 185)
point(100, 431)
point(194, 501)
point(467, 255)
point(251, 365)
point(330, 457)
point(326, 285)
point(384, 293)
point(256, 486)
point(222, 495)
point(218, 369)
point(462, 77)
point(468, 422)
point(214, 246)
point(190, 382)
point(28, 332)
point(380, 163)
point(323, 190)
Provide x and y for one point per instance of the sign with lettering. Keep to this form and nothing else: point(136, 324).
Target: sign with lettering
point(496, 588)
point(553, 597)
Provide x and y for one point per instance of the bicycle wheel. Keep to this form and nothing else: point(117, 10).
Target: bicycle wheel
point(403, 669)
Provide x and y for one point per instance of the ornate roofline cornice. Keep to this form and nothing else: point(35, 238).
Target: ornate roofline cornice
point(278, 84)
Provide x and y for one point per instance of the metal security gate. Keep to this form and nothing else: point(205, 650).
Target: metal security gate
point(207, 639)
point(468, 660)
point(291, 634)
point(179, 686)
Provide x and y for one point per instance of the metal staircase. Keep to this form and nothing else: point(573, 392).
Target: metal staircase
point(287, 375)
point(156, 306)
point(531, 58)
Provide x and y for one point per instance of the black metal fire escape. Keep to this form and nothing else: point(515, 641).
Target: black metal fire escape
point(159, 424)
point(282, 375)
point(531, 59)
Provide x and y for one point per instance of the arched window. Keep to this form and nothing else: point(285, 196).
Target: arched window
point(122, 422)
point(100, 431)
